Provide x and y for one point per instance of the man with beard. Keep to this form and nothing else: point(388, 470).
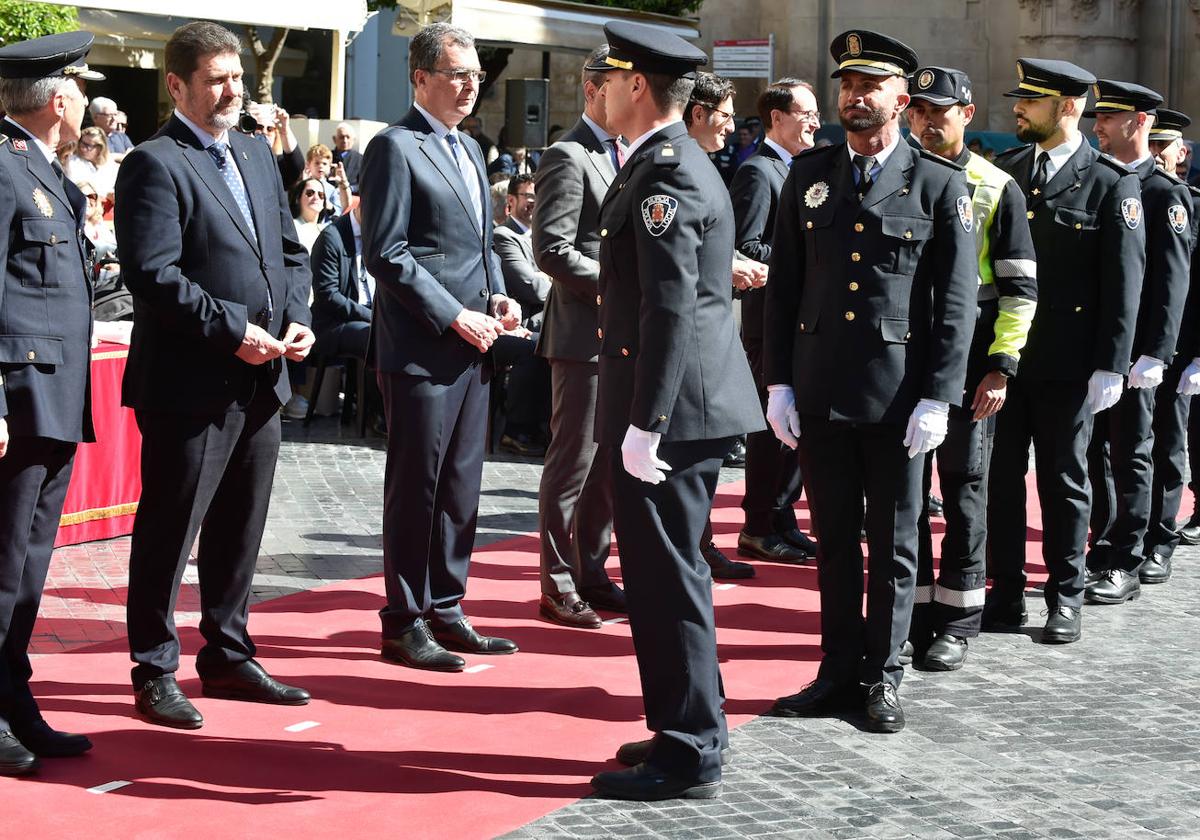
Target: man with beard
point(947, 614)
point(788, 109)
point(220, 292)
point(45, 324)
point(1086, 220)
point(870, 302)
point(1173, 420)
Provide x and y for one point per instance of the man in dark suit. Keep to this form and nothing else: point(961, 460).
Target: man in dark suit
point(427, 241)
point(674, 390)
point(869, 314)
point(525, 282)
point(788, 109)
point(45, 327)
point(574, 498)
point(344, 153)
point(1085, 217)
point(1120, 457)
point(342, 289)
point(220, 292)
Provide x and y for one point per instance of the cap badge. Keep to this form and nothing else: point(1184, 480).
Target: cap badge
point(816, 195)
point(853, 44)
point(966, 94)
point(1096, 90)
point(43, 203)
point(20, 145)
point(658, 211)
point(966, 216)
point(1020, 72)
point(925, 80)
point(1178, 218)
point(1131, 211)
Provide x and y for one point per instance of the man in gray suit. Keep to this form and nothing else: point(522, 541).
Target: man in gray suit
point(440, 305)
point(525, 282)
point(575, 499)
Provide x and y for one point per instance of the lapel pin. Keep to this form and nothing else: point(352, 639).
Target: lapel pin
point(245, 156)
point(20, 145)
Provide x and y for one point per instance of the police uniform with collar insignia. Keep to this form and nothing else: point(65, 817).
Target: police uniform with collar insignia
point(1120, 458)
point(869, 315)
point(671, 365)
point(1087, 230)
point(45, 332)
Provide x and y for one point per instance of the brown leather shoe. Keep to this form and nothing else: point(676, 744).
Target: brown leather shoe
point(569, 609)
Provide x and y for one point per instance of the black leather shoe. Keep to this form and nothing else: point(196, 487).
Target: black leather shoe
point(798, 539)
point(819, 697)
point(610, 598)
point(416, 648)
point(771, 547)
point(934, 507)
point(521, 444)
point(15, 759)
point(722, 568)
point(907, 651)
point(1156, 569)
point(1003, 616)
point(737, 454)
point(461, 636)
point(646, 783)
point(249, 681)
point(1189, 534)
point(44, 742)
point(947, 653)
point(636, 752)
point(1116, 586)
point(161, 701)
point(883, 709)
point(569, 609)
point(1064, 626)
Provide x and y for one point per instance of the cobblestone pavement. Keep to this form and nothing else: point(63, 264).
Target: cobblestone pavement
point(1097, 739)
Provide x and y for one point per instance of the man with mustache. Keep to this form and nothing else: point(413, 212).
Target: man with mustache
point(947, 614)
point(1085, 215)
point(220, 292)
point(870, 302)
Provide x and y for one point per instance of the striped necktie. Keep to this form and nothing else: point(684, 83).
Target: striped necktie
point(220, 156)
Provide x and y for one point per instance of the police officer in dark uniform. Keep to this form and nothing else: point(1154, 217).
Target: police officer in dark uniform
point(674, 391)
point(1086, 220)
point(869, 315)
point(1120, 462)
point(1172, 401)
point(45, 334)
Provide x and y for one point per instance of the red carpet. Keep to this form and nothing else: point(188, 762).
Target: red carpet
point(397, 752)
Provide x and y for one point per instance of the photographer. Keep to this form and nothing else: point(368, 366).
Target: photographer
point(332, 176)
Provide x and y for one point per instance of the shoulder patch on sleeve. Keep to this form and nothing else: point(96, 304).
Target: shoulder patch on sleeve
point(1131, 212)
point(1177, 216)
point(966, 216)
point(658, 211)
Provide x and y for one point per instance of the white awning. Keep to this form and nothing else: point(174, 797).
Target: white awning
point(549, 24)
point(340, 15)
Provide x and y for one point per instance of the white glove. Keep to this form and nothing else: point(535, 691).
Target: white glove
point(639, 454)
point(1104, 389)
point(1147, 372)
point(782, 415)
point(1189, 380)
point(927, 427)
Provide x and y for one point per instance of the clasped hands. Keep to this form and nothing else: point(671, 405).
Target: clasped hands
point(259, 346)
point(748, 274)
point(481, 331)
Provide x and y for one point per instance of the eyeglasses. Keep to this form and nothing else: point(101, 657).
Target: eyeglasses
point(460, 75)
point(814, 116)
point(89, 145)
point(309, 193)
point(726, 116)
point(91, 196)
point(528, 195)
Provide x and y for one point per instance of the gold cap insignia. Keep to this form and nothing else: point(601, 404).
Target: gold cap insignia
point(1020, 72)
point(43, 203)
point(853, 44)
point(925, 80)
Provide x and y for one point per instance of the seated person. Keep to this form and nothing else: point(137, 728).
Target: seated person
point(308, 205)
point(342, 290)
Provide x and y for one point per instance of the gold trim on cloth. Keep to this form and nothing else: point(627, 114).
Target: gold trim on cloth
point(81, 516)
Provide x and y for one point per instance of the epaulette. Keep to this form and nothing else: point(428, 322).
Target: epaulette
point(943, 161)
point(818, 150)
point(666, 155)
point(1174, 180)
point(1120, 168)
point(1194, 190)
point(1010, 152)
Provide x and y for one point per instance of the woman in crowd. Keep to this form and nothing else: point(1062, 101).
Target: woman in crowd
point(91, 163)
point(308, 204)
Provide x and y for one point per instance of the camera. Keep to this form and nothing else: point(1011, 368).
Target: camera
point(256, 116)
point(247, 123)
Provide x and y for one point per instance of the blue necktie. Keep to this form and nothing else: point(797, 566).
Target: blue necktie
point(220, 156)
point(469, 175)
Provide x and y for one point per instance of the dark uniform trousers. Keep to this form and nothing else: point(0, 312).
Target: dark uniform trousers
point(428, 529)
point(575, 505)
point(669, 591)
point(200, 473)
point(773, 483)
point(1054, 417)
point(1171, 414)
point(33, 486)
point(1121, 471)
point(955, 604)
point(843, 463)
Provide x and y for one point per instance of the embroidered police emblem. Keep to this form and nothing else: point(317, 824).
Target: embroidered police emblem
point(816, 195)
point(658, 211)
point(1178, 217)
point(853, 44)
point(1131, 211)
point(925, 79)
point(20, 145)
point(43, 203)
point(966, 215)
